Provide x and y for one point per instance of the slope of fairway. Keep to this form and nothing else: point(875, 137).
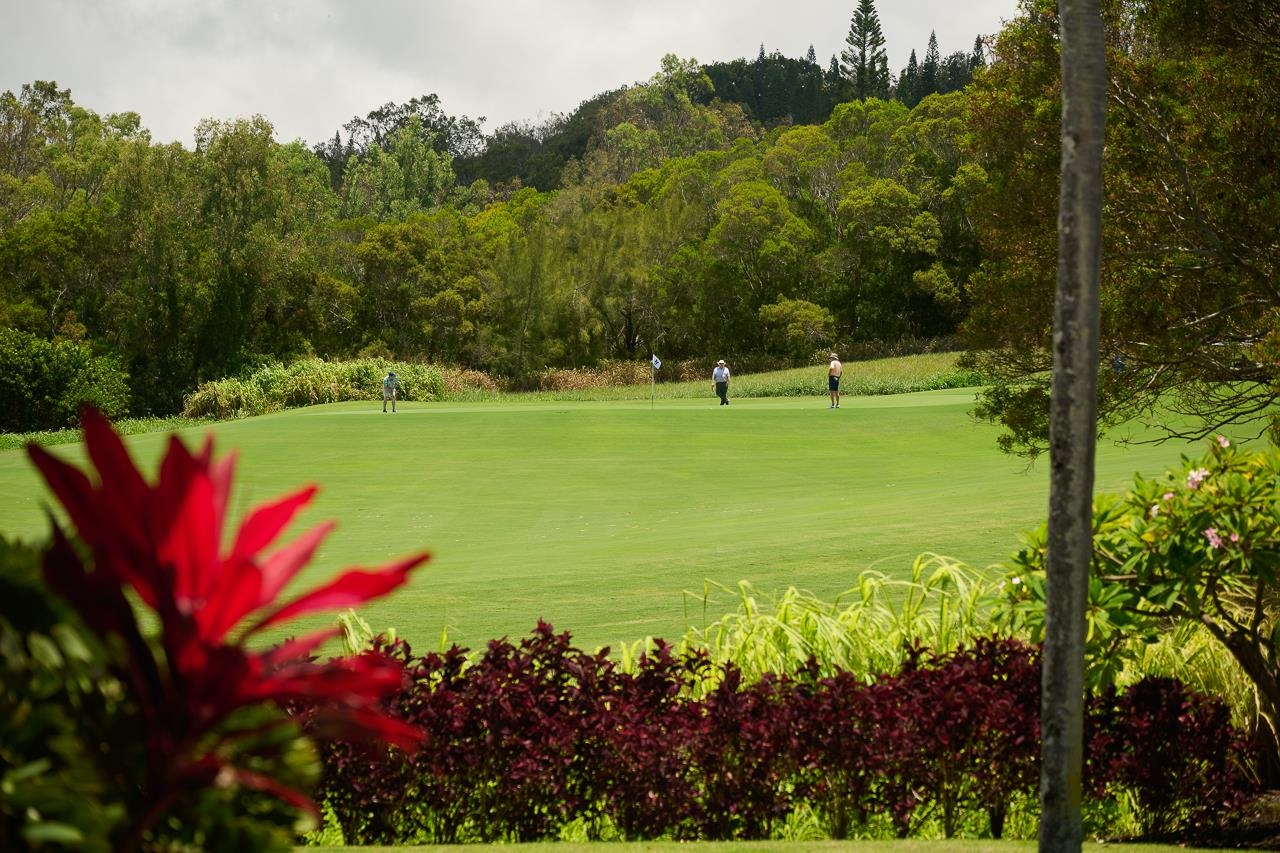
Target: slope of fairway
point(600, 517)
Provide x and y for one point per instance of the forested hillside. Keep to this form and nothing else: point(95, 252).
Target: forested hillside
point(765, 210)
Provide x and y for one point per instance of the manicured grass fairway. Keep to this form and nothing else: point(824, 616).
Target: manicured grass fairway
point(600, 517)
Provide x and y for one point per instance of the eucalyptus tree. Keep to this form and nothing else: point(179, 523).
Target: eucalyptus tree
point(804, 164)
point(762, 251)
point(516, 238)
point(406, 175)
point(865, 131)
point(666, 117)
point(60, 251)
point(261, 204)
point(457, 136)
point(419, 290)
point(157, 308)
point(892, 244)
point(936, 166)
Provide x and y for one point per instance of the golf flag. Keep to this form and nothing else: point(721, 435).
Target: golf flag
point(657, 362)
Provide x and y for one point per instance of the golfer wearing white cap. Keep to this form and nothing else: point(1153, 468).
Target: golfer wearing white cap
point(390, 385)
point(720, 376)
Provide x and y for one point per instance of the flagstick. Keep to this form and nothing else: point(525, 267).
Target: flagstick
point(653, 377)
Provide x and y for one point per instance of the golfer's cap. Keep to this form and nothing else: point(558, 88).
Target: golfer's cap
point(721, 361)
point(833, 355)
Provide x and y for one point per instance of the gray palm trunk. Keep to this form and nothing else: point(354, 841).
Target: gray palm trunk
point(1072, 423)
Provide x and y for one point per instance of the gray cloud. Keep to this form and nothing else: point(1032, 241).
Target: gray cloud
point(309, 67)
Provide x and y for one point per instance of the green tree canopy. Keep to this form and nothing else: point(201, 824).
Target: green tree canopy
point(1189, 304)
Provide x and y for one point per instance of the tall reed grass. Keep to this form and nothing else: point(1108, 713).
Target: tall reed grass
point(940, 605)
point(307, 383)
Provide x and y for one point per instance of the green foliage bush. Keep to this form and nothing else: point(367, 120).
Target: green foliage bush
point(50, 792)
point(71, 736)
point(1195, 551)
point(310, 382)
point(44, 383)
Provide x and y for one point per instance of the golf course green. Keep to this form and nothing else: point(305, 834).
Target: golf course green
point(612, 520)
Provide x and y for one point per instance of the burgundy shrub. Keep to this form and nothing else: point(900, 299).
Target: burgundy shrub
point(639, 753)
point(371, 789)
point(443, 769)
point(522, 709)
point(1176, 751)
point(960, 732)
point(838, 751)
point(527, 738)
point(744, 756)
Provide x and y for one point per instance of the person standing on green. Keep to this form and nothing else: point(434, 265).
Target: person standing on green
point(720, 376)
point(834, 369)
point(390, 385)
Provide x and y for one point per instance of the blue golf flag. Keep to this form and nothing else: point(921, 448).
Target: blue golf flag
point(657, 362)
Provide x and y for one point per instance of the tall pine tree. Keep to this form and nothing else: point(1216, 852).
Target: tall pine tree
point(929, 69)
point(977, 59)
point(909, 82)
point(864, 61)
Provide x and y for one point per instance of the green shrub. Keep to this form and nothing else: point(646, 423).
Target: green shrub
point(50, 791)
point(44, 383)
point(224, 399)
point(311, 382)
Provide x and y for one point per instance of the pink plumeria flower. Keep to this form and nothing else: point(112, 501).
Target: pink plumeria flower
point(1235, 538)
point(1223, 441)
point(1167, 496)
point(1215, 541)
point(1196, 477)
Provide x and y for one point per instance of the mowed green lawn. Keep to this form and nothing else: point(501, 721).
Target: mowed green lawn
point(608, 519)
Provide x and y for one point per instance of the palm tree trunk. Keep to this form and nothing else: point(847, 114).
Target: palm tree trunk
point(1072, 424)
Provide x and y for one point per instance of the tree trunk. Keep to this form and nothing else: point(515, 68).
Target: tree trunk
point(1072, 423)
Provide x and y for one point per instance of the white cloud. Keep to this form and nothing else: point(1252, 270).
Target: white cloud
point(309, 67)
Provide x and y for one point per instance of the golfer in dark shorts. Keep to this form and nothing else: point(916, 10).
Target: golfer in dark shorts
point(833, 380)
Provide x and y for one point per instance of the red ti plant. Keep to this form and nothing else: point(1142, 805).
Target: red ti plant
point(198, 687)
point(1176, 751)
point(840, 751)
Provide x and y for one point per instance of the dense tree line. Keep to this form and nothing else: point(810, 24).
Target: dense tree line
point(772, 89)
point(1189, 303)
point(682, 226)
point(765, 209)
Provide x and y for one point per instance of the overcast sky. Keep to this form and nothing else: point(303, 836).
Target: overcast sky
point(309, 66)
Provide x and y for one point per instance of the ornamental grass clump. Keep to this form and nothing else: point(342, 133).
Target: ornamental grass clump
point(940, 604)
point(185, 720)
point(310, 382)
